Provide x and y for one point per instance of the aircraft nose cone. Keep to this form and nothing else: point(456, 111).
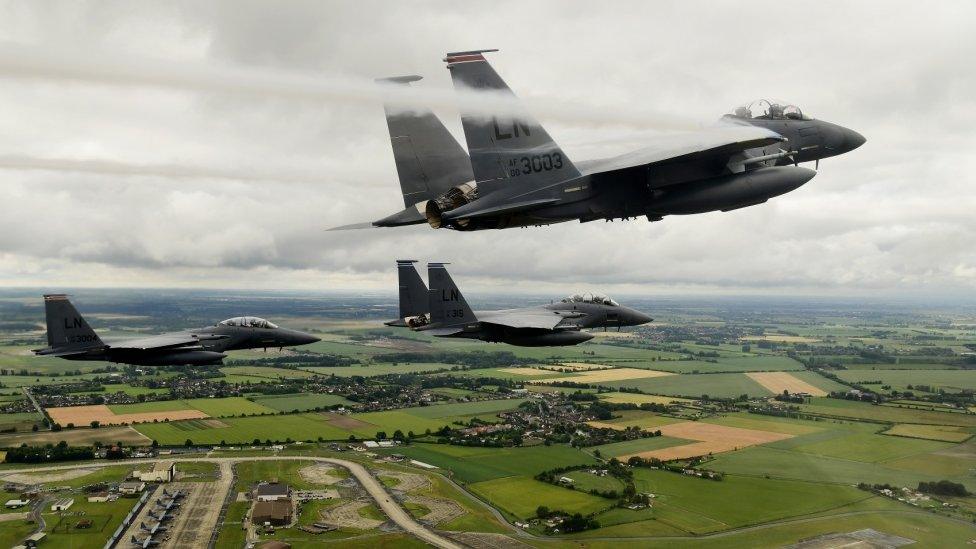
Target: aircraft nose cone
point(305, 339)
point(852, 139)
point(641, 318)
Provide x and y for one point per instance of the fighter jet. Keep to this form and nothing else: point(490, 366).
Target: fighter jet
point(520, 177)
point(145, 544)
point(70, 337)
point(158, 527)
point(447, 314)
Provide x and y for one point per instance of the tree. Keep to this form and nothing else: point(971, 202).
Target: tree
point(34, 428)
point(398, 435)
point(155, 443)
point(95, 424)
point(188, 443)
point(380, 435)
point(597, 454)
point(542, 512)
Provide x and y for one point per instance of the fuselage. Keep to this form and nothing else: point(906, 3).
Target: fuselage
point(684, 185)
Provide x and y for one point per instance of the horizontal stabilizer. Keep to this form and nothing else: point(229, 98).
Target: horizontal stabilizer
point(444, 332)
point(473, 209)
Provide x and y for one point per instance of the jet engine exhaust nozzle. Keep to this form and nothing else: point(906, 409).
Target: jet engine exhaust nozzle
point(454, 198)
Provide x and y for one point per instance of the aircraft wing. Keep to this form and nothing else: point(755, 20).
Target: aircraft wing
point(719, 143)
point(522, 318)
point(164, 341)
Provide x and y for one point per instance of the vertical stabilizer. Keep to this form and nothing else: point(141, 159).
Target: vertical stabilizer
point(447, 305)
point(429, 160)
point(66, 328)
point(413, 291)
point(506, 144)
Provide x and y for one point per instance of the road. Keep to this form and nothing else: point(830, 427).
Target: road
point(372, 486)
point(37, 406)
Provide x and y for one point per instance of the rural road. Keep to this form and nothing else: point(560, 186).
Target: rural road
point(376, 490)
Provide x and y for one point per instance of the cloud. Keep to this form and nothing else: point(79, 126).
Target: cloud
point(188, 144)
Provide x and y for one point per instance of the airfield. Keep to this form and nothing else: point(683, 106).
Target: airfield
point(705, 377)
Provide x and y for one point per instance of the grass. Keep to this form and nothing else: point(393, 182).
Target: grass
point(475, 464)
point(637, 446)
point(739, 501)
point(953, 381)
point(214, 407)
point(231, 531)
point(841, 408)
point(197, 471)
point(785, 464)
point(637, 398)
point(300, 401)
point(250, 473)
point(520, 496)
point(930, 432)
point(696, 385)
point(639, 418)
point(13, 532)
point(585, 481)
point(370, 370)
point(106, 517)
point(243, 430)
point(767, 423)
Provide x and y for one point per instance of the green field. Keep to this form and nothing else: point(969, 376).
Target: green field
point(739, 501)
point(696, 385)
point(864, 411)
point(243, 430)
point(931, 432)
point(618, 449)
point(378, 369)
point(475, 464)
point(585, 481)
point(214, 407)
point(520, 496)
point(953, 381)
point(300, 401)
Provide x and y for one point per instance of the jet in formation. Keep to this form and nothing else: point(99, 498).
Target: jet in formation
point(70, 337)
point(442, 311)
point(514, 175)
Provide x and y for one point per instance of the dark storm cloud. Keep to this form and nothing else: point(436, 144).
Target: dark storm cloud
point(894, 216)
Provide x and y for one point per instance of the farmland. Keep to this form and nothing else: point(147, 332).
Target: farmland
point(704, 375)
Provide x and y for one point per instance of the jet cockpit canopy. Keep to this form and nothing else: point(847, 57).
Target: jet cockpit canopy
point(599, 299)
point(770, 109)
point(249, 322)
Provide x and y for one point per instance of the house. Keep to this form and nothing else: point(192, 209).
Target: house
point(566, 480)
point(272, 491)
point(131, 488)
point(99, 497)
point(16, 503)
point(275, 513)
point(62, 504)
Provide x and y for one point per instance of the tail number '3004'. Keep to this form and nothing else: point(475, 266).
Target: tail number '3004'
point(535, 163)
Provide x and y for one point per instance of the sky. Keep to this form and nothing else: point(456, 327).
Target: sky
point(209, 144)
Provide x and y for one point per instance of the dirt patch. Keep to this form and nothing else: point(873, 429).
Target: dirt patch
point(82, 416)
point(486, 541)
point(41, 478)
point(214, 423)
point(408, 481)
point(319, 474)
point(441, 510)
point(713, 439)
point(615, 374)
point(346, 422)
point(777, 382)
point(347, 516)
point(79, 437)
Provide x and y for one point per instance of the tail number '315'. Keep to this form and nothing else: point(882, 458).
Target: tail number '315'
point(535, 163)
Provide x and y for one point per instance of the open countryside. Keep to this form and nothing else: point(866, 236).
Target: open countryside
point(696, 426)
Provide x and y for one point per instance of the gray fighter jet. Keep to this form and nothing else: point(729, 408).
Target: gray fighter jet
point(443, 312)
point(70, 337)
point(517, 175)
